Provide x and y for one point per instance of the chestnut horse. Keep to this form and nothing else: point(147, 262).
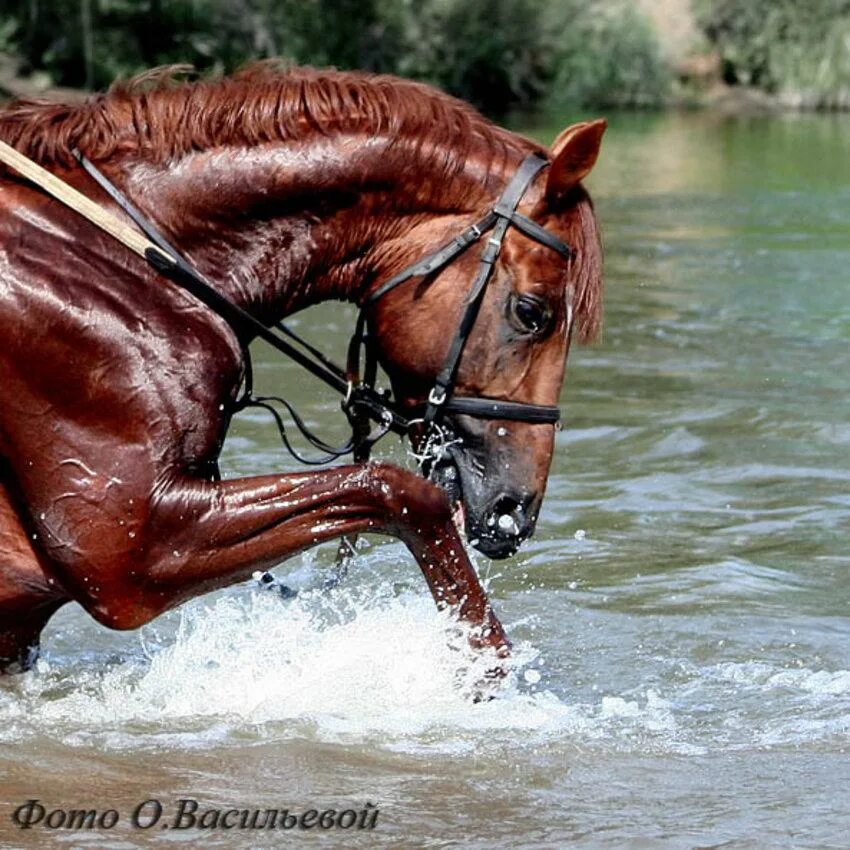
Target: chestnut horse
point(284, 188)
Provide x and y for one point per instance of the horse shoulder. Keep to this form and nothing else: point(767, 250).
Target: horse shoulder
point(100, 355)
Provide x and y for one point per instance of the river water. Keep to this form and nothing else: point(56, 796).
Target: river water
point(682, 617)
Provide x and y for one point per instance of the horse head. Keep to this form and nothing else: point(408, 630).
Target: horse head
point(494, 470)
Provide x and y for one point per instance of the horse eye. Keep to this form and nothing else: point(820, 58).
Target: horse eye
point(531, 313)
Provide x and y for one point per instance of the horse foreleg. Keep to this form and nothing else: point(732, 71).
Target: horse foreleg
point(203, 535)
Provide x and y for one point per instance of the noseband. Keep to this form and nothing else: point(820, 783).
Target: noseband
point(362, 402)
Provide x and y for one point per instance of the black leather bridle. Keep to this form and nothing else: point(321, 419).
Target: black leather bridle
point(362, 402)
point(442, 398)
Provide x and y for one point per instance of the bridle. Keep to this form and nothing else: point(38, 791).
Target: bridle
point(372, 413)
point(442, 398)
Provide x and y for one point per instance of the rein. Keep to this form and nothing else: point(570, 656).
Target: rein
point(371, 413)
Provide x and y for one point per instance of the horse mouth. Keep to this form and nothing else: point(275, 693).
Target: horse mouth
point(498, 532)
point(446, 475)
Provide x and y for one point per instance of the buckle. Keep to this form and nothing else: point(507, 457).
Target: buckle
point(472, 234)
point(436, 397)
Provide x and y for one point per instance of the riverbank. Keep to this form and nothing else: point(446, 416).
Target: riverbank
point(718, 97)
point(14, 85)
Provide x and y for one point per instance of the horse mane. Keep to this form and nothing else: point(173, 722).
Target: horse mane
point(162, 115)
point(587, 271)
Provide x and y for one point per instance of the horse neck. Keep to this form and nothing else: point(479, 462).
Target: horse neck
point(281, 226)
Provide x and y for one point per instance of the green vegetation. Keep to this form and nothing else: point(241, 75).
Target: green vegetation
point(799, 51)
point(499, 54)
point(502, 55)
point(607, 54)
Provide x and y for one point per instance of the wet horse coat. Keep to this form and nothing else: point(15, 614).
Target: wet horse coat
point(285, 189)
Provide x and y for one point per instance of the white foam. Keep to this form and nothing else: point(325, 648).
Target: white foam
point(769, 677)
point(375, 663)
point(365, 665)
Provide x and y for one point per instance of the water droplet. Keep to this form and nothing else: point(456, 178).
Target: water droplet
point(531, 676)
point(508, 524)
point(580, 534)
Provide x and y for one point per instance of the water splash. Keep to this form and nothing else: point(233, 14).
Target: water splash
point(375, 664)
point(364, 665)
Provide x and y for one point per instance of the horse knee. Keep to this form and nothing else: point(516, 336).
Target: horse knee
point(116, 609)
point(115, 614)
point(407, 499)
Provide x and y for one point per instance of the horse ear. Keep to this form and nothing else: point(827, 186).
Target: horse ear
point(573, 154)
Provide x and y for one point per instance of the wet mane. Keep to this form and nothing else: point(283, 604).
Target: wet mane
point(164, 116)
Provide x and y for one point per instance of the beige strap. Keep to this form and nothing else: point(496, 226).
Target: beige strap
point(78, 202)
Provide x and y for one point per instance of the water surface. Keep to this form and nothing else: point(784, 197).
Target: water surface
point(681, 617)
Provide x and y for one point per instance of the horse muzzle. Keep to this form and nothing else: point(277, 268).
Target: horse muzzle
point(497, 523)
point(498, 529)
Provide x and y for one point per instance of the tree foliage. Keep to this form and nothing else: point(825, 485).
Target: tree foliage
point(498, 54)
point(607, 54)
point(797, 50)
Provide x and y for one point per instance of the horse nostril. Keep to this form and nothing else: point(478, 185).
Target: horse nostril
point(507, 517)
